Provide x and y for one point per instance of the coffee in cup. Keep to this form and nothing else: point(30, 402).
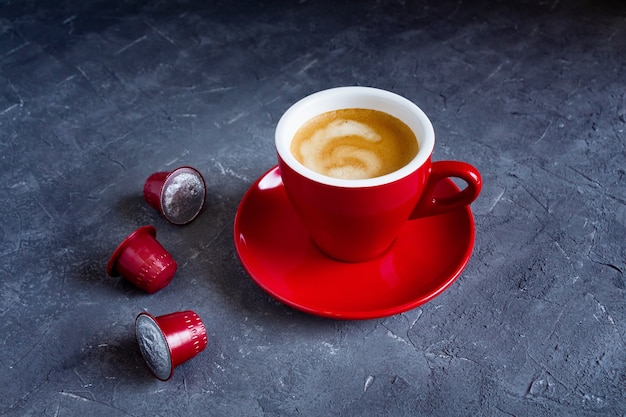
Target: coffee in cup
point(355, 208)
point(354, 143)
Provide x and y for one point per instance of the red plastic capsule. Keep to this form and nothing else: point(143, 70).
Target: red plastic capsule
point(168, 341)
point(179, 194)
point(142, 260)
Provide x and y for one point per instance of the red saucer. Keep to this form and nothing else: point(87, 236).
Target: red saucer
point(275, 250)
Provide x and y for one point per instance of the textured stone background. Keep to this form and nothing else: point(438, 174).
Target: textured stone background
point(96, 96)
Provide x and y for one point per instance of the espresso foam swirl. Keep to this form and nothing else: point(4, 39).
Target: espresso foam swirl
point(347, 150)
point(354, 143)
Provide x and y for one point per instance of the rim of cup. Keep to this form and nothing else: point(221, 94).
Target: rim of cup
point(354, 97)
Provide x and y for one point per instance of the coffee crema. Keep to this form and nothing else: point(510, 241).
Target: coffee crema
point(354, 144)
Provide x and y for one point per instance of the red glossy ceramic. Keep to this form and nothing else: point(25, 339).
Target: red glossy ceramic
point(357, 220)
point(358, 224)
point(275, 249)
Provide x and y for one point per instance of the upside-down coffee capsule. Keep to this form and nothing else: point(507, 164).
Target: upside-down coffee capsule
point(179, 194)
point(142, 260)
point(168, 341)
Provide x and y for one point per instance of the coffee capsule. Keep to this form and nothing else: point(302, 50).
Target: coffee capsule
point(168, 341)
point(179, 194)
point(142, 260)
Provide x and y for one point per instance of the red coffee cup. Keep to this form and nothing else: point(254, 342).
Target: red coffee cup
point(179, 194)
point(356, 220)
point(142, 260)
point(168, 341)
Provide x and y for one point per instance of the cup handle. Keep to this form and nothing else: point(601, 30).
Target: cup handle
point(429, 205)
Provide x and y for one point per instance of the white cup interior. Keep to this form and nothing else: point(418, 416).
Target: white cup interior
point(354, 97)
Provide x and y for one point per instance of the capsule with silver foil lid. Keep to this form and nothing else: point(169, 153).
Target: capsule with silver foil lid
point(179, 194)
point(169, 340)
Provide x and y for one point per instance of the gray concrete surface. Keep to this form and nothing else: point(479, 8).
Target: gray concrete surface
point(96, 96)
